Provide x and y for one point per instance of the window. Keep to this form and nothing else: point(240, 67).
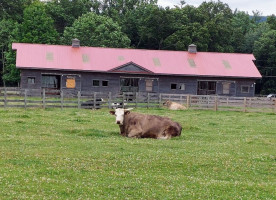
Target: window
point(96, 83)
point(206, 87)
point(149, 85)
point(226, 88)
point(104, 83)
point(182, 86)
point(51, 81)
point(31, 80)
point(173, 86)
point(244, 89)
point(129, 84)
point(70, 82)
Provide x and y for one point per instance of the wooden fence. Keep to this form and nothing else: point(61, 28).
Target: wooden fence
point(14, 97)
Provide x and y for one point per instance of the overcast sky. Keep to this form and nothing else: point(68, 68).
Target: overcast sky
point(266, 7)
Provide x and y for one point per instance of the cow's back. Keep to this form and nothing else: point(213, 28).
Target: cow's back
point(176, 106)
point(151, 126)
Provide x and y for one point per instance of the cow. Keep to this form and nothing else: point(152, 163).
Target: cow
point(118, 104)
point(174, 106)
point(137, 125)
point(90, 103)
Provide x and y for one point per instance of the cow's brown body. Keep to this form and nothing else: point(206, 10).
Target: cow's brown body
point(149, 126)
point(174, 106)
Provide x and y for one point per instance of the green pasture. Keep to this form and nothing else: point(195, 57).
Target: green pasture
point(79, 154)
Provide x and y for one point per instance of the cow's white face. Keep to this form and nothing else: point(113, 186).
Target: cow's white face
point(119, 114)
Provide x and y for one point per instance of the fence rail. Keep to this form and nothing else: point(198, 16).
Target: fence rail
point(15, 97)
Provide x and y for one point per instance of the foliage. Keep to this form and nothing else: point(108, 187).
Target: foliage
point(7, 27)
point(37, 26)
point(95, 30)
point(265, 51)
point(13, 10)
point(188, 28)
point(217, 18)
point(78, 154)
point(253, 35)
point(271, 20)
point(242, 25)
point(8, 34)
point(11, 73)
point(153, 26)
point(65, 12)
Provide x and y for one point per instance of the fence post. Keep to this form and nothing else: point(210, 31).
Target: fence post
point(244, 104)
point(5, 97)
point(25, 98)
point(188, 101)
point(136, 99)
point(216, 104)
point(79, 99)
point(94, 100)
point(160, 100)
point(123, 103)
point(275, 105)
point(109, 100)
point(43, 99)
point(148, 101)
point(61, 99)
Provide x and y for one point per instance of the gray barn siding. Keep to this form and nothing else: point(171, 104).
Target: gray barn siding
point(161, 83)
point(232, 89)
point(249, 83)
point(113, 82)
point(166, 81)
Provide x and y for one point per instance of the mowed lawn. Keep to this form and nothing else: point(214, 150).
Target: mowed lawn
point(79, 154)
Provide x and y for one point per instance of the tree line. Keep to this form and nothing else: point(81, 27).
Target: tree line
point(139, 24)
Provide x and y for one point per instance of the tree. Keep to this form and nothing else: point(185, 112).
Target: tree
point(127, 13)
point(94, 30)
point(37, 26)
point(271, 20)
point(116, 8)
point(188, 28)
point(65, 12)
point(241, 24)
point(6, 36)
point(154, 25)
point(265, 53)
point(217, 19)
point(13, 9)
point(253, 35)
point(11, 75)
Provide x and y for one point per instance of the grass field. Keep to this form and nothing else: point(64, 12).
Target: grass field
point(78, 154)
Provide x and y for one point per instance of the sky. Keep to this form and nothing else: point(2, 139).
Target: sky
point(266, 7)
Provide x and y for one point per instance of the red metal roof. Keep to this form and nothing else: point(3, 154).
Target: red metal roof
point(59, 57)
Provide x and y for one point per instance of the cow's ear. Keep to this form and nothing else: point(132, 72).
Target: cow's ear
point(127, 112)
point(112, 112)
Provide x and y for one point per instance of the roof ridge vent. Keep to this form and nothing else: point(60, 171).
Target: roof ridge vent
point(192, 48)
point(75, 43)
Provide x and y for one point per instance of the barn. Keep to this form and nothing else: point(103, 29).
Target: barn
point(96, 69)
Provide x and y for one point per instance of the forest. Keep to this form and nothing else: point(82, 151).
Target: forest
point(139, 24)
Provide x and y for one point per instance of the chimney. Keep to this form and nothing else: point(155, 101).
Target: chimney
point(75, 43)
point(192, 48)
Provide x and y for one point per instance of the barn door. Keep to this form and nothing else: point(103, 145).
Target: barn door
point(129, 84)
point(206, 88)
